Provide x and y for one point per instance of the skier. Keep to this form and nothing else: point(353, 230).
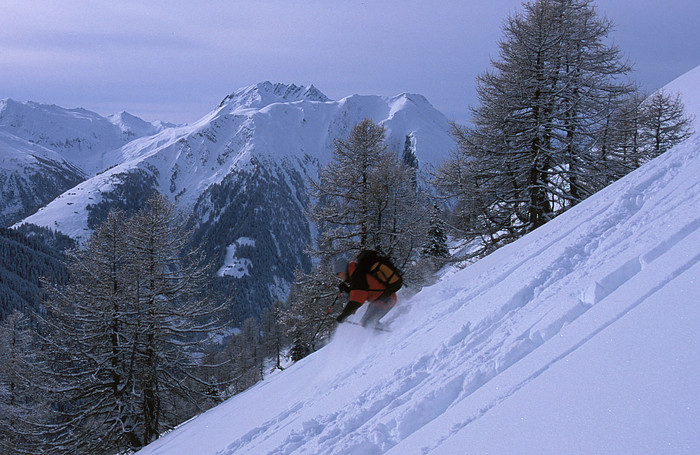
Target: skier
point(371, 278)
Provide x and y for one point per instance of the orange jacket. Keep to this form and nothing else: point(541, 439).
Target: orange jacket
point(371, 292)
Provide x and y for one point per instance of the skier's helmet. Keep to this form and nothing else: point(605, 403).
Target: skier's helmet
point(340, 265)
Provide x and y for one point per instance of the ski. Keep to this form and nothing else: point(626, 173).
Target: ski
point(380, 329)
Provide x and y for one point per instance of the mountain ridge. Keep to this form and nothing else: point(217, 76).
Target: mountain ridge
point(266, 93)
point(31, 176)
point(197, 158)
point(79, 135)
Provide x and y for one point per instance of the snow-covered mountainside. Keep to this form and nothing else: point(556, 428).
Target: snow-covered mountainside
point(30, 177)
point(243, 171)
point(81, 137)
point(581, 337)
point(46, 150)
point(133, 127)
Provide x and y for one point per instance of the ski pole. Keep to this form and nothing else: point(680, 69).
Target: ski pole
point(333, 304)
point(325, 317)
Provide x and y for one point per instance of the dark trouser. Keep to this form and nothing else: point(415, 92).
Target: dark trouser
point(375, 311)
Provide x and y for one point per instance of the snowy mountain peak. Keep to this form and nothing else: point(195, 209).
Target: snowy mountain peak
point(414, 98)
point(81, 136)
point(12, 110)
point(125, 118)
point(265, 93)
point(133, 127)
point(265, 122)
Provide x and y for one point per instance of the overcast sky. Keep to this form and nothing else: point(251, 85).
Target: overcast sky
point(175, 60)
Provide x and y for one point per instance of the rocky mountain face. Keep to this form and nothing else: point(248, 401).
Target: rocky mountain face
point(241, 170)
point(30, 177)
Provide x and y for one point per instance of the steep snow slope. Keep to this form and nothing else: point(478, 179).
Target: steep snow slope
point(578, 338)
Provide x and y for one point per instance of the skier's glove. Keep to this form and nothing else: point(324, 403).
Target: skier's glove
point(344, 287)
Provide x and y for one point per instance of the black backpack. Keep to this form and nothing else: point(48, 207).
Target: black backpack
point(380, 267)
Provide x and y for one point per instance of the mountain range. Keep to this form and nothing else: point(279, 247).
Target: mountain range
point(242, 171)
point(47, 150)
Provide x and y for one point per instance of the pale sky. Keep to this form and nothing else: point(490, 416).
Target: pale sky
point(176, 60)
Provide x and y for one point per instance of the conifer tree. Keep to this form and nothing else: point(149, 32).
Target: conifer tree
point(409, 159)
point(91, 329)
point(637, 129)
point(534, 145)
point(247, 356)
point(365, 198)
point(273, 334)
point(306, 318)
point(437, 238)
point(620, 147)
point(121, 332)
point(175, 312)
point(20, 357)
point(664, 124)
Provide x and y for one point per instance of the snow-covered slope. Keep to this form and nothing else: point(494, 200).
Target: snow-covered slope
point(30, 177)
point(80, 136)
point(581, 337)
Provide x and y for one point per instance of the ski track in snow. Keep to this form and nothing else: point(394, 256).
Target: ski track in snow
point(566, 352)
